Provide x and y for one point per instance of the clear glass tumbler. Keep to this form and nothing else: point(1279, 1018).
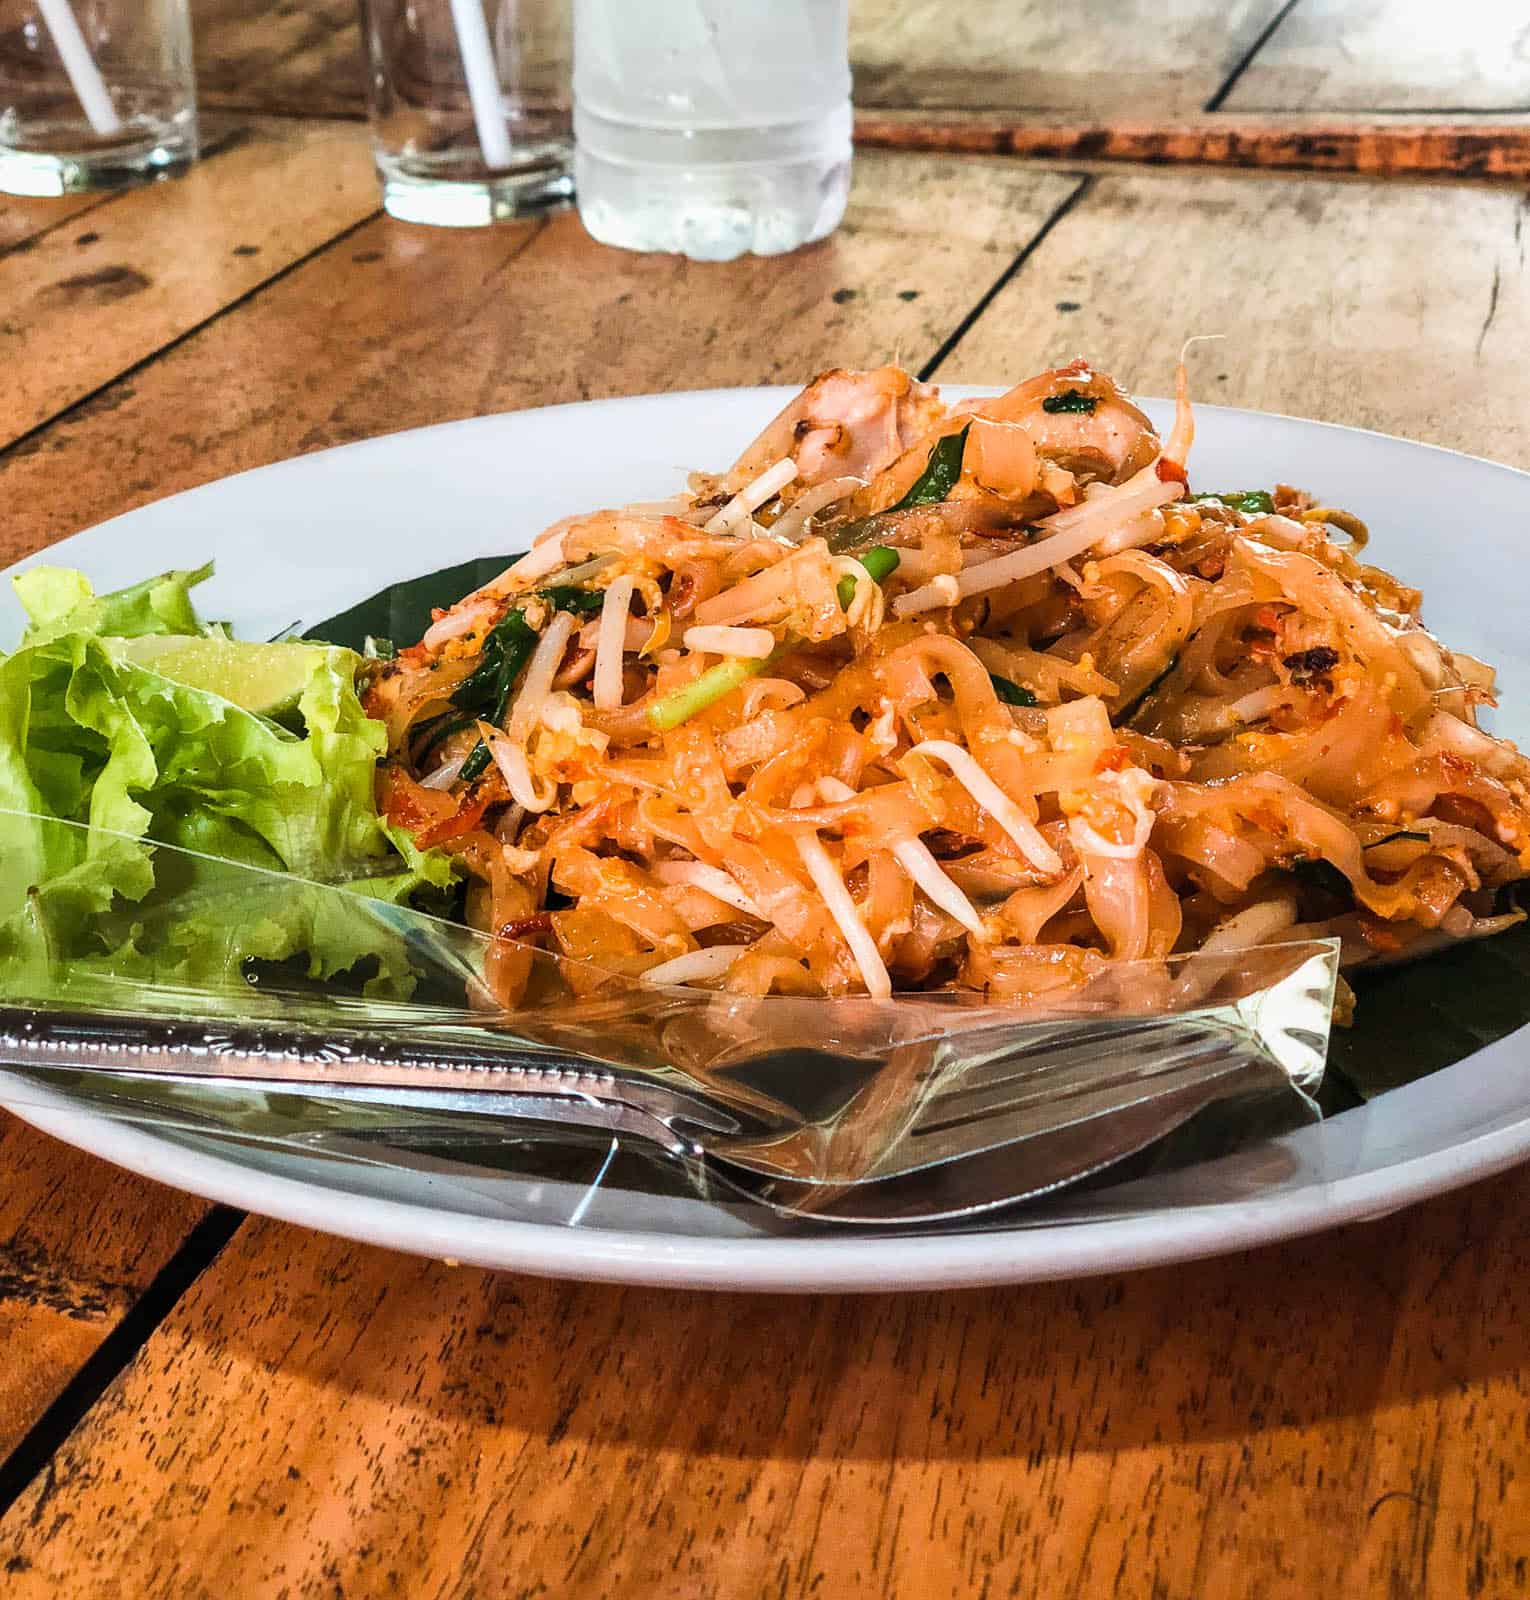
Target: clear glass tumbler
point(470, 107)
point(94, 94)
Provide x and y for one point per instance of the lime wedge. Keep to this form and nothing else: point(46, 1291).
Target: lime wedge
point(265, 678)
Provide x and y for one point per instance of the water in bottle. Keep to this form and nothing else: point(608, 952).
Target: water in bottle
point(711, 127)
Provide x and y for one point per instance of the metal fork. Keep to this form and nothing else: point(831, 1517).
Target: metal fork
point(954, 1128)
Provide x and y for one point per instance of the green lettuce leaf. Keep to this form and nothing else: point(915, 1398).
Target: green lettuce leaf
point(58, 600)
point(91, 739)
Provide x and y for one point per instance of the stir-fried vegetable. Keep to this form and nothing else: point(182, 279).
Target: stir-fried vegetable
point(1252, 502)
point(565, 597)
point(681, 704)
point(880, 562)
point(1029, 717)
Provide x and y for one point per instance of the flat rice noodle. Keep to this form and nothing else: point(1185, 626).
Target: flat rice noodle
point(627, 894)
point(1224, 862)
point(1358, 631)
point(887, 907)
point(1337, 759)
point(1030, 973)
point(985, 721)
point(1118, 894)
point(1027, 911)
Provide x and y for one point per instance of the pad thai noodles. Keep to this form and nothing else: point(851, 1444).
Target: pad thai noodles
point(977, 697)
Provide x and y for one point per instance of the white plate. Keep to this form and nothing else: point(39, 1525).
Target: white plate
point(303, 539)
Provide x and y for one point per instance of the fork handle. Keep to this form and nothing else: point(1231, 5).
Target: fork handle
point(351, 1067)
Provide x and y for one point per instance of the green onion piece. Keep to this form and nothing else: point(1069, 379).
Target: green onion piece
point(581, 602)
point(1070, 400)
point(880, 562)
point(681, 704)
point(476, 764)
point(1012, 694)
point(940, 474)
point(1252, 502)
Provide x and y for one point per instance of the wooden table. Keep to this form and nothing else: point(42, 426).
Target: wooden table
point(1339, 85)
point(195, 1403)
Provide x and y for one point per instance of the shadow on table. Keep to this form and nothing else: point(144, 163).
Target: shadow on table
point(1431, 1300)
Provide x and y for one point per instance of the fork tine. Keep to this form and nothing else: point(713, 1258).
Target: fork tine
point(1077, 1066)
point(991, 1121)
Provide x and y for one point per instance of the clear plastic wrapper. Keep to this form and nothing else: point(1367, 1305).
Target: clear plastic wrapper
point(785, 1102)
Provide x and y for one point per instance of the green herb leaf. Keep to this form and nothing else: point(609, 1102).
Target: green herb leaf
point(1070, 401)
point(506, 650)
point(1012, 694)
point(1252, 502)
point(940, 475)
point(566, 597)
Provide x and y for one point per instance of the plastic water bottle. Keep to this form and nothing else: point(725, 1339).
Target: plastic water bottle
point(711, 127)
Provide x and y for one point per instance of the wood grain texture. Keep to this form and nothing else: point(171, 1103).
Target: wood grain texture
point(1351, 302)
point(22, 220)
point(81, 305)
point(1344, 1415)
point(1392, 55)
point(1373, 146)
point(1094, 58)
point(79, 1242)
point(292, 57)
point(402, 326)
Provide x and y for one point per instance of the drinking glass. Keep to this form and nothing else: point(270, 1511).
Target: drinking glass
point(470, 107)
point(94, 94)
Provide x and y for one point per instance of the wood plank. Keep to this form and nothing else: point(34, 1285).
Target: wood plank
point(1342, 1415)
point(23, 219)
point(79, 1243)
point(1093, 58)
point(293, 57)
point(1392, 55)
point(83, 305)
point(402, 326)
point(1331, 305)
point(1406, 145)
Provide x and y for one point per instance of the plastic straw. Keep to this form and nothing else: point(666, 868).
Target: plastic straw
point(482, 81)
point(84, 75)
